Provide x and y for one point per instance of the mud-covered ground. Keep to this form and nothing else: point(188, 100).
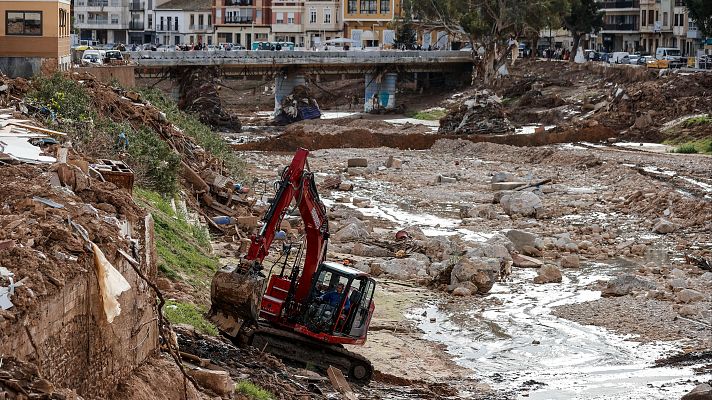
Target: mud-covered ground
point(523, 339)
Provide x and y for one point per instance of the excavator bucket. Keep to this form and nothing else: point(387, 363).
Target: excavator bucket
point(236, 297)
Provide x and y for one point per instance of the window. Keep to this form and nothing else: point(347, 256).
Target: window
point(643, 20)
point(27, 23)
point(161, 23)
point(352, 7)
point(369, 6)
point(290, 18)
point(170, 23)
point(665, 20)
point(385, 6)
point(279, 18)
point(651, 17)
point(114, 19)
point(312, 16)
point(176, 23)
point(150, 21)
point(210, 21)
point(327, 15)
point(201, 19)
point(192, 20)
point(81, 18)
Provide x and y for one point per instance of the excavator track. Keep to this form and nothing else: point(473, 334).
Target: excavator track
point(294, 347)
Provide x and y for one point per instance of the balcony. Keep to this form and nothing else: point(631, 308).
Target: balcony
point(238, 20)
point(137, 5)
point(136, 26)
point(620, 27)
point(200, 28)
point(100, 23)
point(620, 4)
point(166, 28)
point(97, 3)
point(229, 3)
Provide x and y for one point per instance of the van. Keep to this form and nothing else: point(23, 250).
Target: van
point(619, 57)
point(667, 57)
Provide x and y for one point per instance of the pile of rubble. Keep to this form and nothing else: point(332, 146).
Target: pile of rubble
point(480, 114)
point(300, 105)
point(198, 89)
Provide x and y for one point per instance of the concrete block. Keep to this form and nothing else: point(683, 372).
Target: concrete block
point(357, 162)
point(507, 185)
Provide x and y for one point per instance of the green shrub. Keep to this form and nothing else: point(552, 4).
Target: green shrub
point(696, 121)
point(253, 391)
point(189, 314)
point(687, 148)
point(428, 115)
point(65, 97)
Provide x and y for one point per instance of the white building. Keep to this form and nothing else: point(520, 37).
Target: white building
point(184, 22)
point(105, 21)
point(322, 21)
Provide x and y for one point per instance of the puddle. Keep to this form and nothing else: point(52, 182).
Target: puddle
point(511, 345)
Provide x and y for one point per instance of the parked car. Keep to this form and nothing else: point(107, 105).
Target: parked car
point(237, 47)
point(91, 57)
point(619, 57)
point(113, 57)
point(633, 59)
point(644, 60)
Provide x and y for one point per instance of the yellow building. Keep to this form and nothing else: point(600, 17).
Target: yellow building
point(34, 36)
point(369, 22)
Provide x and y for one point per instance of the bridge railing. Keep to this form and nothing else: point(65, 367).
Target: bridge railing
point(165, 56)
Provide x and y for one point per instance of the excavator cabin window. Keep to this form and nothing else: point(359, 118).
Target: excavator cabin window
point(338, 304)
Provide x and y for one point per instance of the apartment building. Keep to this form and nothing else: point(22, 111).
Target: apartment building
point(183, 22)
point(621, 25)
point(369, 22)
point(34, 37)
point(142, 27)
point(242, 21)
point(105, 21)
point(322, 21)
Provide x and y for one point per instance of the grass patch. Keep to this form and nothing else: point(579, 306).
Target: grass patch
point(191, 126)
point(428, 115)
point(697, 121)
point(189, 314)
point(703, 146)
point(253, 391)
point(184, 251)
point(686, 149)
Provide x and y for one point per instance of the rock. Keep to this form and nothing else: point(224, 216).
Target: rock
point(393, 162)
point(445, 179)
point(107, 208)
point(497, 197)
point(357, 162)
point(218, 382)
point(350, 232)
point(482, 272)
point(406, 268)
point(688, 310)
point(361, 202)
point(664, 226)
point(461, 291)
point(503, 177)
point(638, 249)
point(346, 186)
point(702, 391)
point(548, 274)
point(521, 239)
point(678, 273)
point(531, 251)
point(436, 268)
point(707, 276)
point(626, 284)
point(507, 185)
point(677, 283)
point(689, 296)
point(585, 245)
point(571, 247)
point(526, 204)
point(486, 211)
point(522, 261)
point(365, 250)
point(571, 261)
point(492, 248)
point(643, 121)
point(376, 269)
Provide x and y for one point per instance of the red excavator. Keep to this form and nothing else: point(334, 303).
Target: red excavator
point(307, 311)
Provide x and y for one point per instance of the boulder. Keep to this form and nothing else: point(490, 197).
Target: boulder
point(435, 269)
point(571, 261)
point(393, 162)
point(521, 239)
point(689, 296)
point(365, 250)
point(405, 268)
point(688, 310)
point(438, 248)
point(219, 382)
point(526, 204)
point(503, 177)
point(531, 251)
point(350, 232)
point(482, 272)
point(488, 250)
point(357, 162)
point(499, 239)
point(707, 276)
point(643, 121)
point(663, 226)
point(376, 268)
point(346, 186)
point(626, 284)
point(461, 291)
point(702, 391)
point(361, 202)
point(485, 211)
point(522, 261)
point(548, 274)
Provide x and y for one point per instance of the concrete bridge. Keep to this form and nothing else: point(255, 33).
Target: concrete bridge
point(379, 68)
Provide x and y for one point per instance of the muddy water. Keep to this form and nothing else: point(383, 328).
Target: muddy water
point(520, 345)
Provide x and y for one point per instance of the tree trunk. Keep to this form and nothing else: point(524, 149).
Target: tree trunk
point(577, 39)
point(535, 46)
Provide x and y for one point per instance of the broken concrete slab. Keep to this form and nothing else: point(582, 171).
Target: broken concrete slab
point(507, 185)
point(357, 163)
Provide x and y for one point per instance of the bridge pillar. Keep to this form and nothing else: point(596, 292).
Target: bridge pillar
point(284, 85)
point(380, 92)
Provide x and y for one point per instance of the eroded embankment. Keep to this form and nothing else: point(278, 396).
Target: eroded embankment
point(368, 138)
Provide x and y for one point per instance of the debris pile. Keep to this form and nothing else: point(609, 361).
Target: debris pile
point(21, 380)
point(298, 106)
point(199, 93)
point(481, 113)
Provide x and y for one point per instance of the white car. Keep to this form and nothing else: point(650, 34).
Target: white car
point(92, 57)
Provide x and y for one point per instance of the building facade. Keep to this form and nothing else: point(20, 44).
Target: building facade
point(104, 21)
point(35, 36)
point(322, 22)
point(184, 22)
point(242, 21)
point(369, 22)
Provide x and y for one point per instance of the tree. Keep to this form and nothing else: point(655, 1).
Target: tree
point(701, 13)
point(486, 25)
point(405, 35)
point(583, 17)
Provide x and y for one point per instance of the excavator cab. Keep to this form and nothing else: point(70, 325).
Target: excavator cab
point(340, 301)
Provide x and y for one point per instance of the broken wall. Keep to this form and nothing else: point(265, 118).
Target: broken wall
point(63, 328)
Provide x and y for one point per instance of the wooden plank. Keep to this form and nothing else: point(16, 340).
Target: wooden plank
point(38, 129)
point(340, 384)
